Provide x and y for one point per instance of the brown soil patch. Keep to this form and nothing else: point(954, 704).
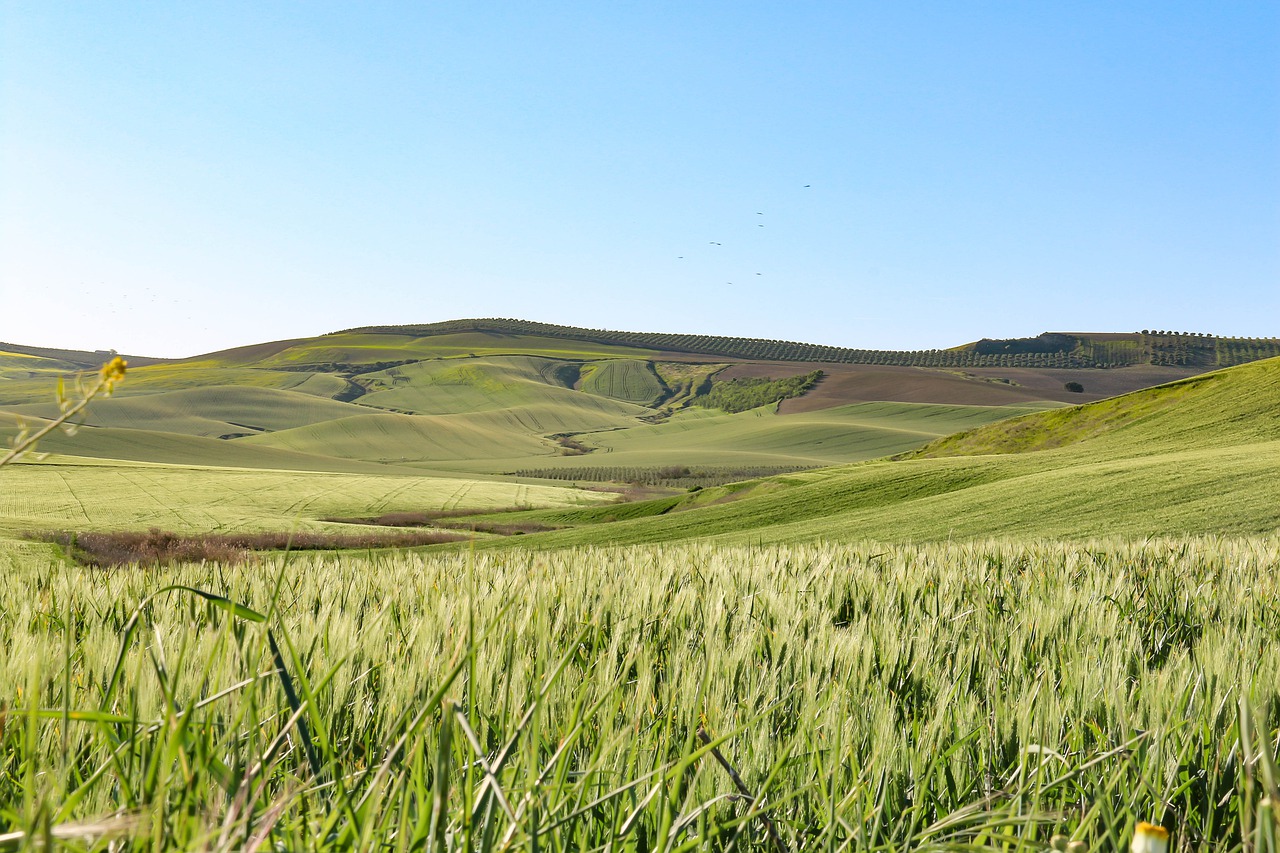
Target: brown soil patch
point(984, 386)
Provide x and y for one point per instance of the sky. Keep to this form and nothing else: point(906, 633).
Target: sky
point(177, 178)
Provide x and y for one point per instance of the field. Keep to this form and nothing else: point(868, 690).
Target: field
point(997, 623)
point(113, 496)
point(868, 697)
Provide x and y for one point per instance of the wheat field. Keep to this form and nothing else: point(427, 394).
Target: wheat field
point(866, 697)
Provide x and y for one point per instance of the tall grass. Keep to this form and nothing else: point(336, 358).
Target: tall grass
point(976, 696)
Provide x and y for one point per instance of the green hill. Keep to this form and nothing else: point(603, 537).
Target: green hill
point(1048, 350)
point(1197, 456)
point(492, 397)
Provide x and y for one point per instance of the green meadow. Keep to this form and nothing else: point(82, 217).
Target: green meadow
point(948, 626)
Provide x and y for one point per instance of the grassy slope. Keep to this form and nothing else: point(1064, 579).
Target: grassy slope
point(470, 411)
point(208, 411)
point(138, 445)
point(356, 348)
point(1197, 456)
point(171, 377)
point(1223, 408)
point(759, 437)
point(631, 380)
point(465, 386)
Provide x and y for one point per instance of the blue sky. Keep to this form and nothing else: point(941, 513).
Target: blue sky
point(181, 177)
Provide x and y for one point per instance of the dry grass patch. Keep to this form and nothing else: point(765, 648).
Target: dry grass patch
point(161, 547)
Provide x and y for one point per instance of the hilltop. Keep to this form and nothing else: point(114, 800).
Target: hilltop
point(1048, 350)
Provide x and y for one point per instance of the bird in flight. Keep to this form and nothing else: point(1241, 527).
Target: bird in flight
point(714, 243)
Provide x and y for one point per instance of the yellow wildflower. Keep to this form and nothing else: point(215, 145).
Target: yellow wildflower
point(1149, 838)
point(113, 372)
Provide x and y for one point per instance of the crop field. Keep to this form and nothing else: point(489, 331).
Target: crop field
point(212, 411)
point(983, 696)
point(1198, 456)
point(119, 496)
point(760, 437)
point(1034, 624)
point(623, 379)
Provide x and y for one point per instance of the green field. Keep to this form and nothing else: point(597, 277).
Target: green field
point(113, 495)
point(984, 627)
point(446, 403)
point(1197, 456)
point(982, 696)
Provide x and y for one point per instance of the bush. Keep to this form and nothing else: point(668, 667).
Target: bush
point(1074, 387)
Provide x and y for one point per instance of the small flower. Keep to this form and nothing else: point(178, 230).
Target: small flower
point(1149, 838)
point(113, 372)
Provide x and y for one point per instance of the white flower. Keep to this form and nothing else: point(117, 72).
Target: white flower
point(1149, 838)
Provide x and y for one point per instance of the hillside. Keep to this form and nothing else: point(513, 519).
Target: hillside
point(1048, 350)
point(530, 403)
point(1195, 456)
point(458, 398)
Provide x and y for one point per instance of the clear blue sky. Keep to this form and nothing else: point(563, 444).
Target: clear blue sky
point(178, 177)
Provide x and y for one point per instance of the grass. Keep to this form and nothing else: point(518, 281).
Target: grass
point(760, 438)
point(631, 380)
point(112, 497)
point(493, 401)
point(983, 696)
point(920, 685)
point(212, 411)
point(1197, 456)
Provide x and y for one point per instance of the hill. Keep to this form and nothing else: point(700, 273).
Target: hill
point(534, 402)
point(1195, 456)
point(1048, 350)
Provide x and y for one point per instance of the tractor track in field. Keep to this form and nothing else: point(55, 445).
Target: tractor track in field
point(382, 503)
point(150, 485)
point(70, 491)
point(455, 499)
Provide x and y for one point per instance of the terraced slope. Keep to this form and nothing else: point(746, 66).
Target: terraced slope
point(1197, 456)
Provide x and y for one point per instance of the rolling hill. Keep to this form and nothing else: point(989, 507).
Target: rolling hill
point(983, 449)
point(1200, 455)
